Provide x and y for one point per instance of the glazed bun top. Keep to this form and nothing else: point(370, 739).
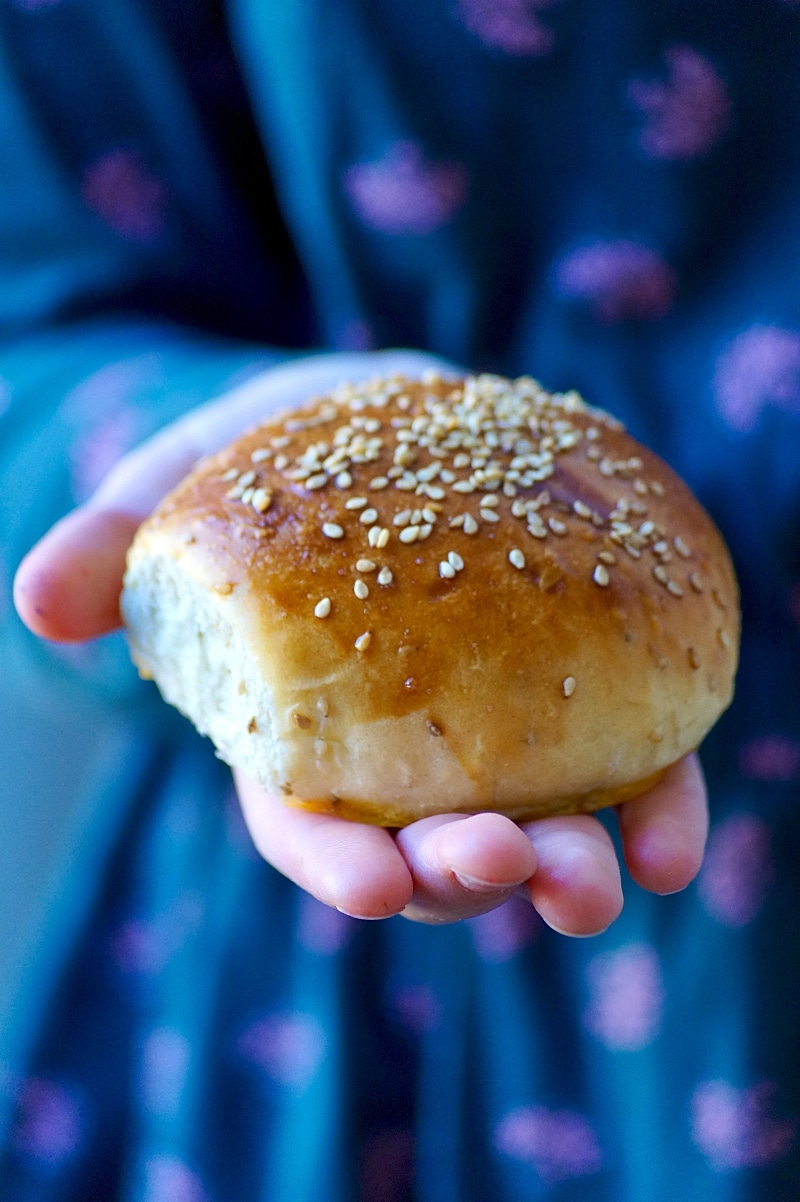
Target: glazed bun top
point(413, 597)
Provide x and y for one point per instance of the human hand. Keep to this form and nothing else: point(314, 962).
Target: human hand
point(439, 869)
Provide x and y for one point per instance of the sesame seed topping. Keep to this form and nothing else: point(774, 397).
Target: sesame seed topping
point(385, 576)
point(363, 641)
point(383, 538)
point(455, 561)
point(470, 525)
point(409, 534)
point(332, 530)
point(600, 575)
point(361, 590)
point(695, 582)
point(322, 608)
point(356, 502)
point(260, 454)
point(231, 474)
point(261, 500)
point(366, 565)
point(660, 573)
point(446, 570)
point(674, 588)
point(247, 478)
point(607, 557)
point(344, 480)
point(568, 685)
point(489, 515)
point(582, 510)
point(516, 558)
point(378, 483)
point(557, 526)
point(368, 517)
point(722, 635)
point(680, 547)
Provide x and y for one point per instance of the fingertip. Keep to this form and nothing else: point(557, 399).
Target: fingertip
point(577, 888)
point(664, 833)
point(67, 587)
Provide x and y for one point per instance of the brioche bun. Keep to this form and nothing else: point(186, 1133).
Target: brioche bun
point(419, 597)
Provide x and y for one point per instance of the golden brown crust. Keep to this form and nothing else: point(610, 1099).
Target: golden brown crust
point(506, 580)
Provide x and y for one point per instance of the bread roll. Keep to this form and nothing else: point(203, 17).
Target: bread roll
point(418, 597)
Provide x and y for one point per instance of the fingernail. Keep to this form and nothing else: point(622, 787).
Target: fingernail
point(476, 885)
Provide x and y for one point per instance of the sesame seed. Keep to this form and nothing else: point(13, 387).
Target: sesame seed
point(281, 462)
point(403, 518)
point(455, 561)
point(722, 635)
point(695, 582)
point(582, 510)
point(446, 570)
point(378, 483)
point(470, 525)
point(332, 530)
point(557, 526)
point(489, 502)
point(231, 474)
point(363, 641)
point(368, 516)
point(425, 531)
point(660, 573)
point(366, 565)
point(261, 500)
point(600, 575)
point(680, 547)
point(322, 608)
point(516, 558)
point(235, 493)
point(429, 515)
point(247, 478)
point(607, 557)
point(489, 515)
point(344, 480)
point(361, 590)
point(568, 685)
point(463, 486)
point(657, 488)
point(247, 495)
point(409, 534)
point(674, 588)
point(385, 576)
point(356, 502)
point(260, 454)
point(319, 480)
point(383, 538)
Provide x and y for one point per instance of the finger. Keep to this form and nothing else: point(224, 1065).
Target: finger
point(463, 865)
point(356, 868)
point(664, 833)
point(68, 587)
point(576, 888)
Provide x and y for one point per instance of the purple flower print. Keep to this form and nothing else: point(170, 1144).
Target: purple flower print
point(627, 997)
point(556, 1143)
point(771, 757)
point(321, 929)
point(513, 26)
point(49, 1125)
point(620, 280)
point(168, 1179)
point(505, 931)
point(686, 115)
point(734, 1129)
point(405, 193)
point(289, 1047)
point(761, 366)
point(121, 191)
point(417, 1007)
point(737, 870)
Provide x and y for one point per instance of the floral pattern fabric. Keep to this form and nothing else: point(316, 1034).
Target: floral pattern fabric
point(606, 197)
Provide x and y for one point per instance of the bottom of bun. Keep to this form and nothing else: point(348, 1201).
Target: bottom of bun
point(397, 816)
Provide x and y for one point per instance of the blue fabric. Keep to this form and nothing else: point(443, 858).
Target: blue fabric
point(605, 196)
